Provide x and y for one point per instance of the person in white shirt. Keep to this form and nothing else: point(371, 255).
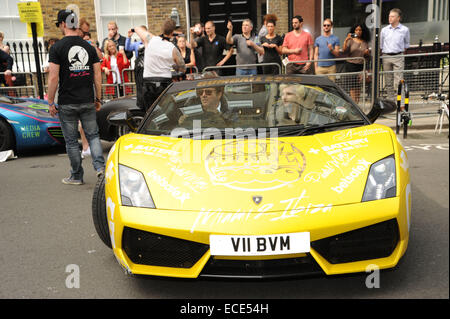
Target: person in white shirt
point(394, 40)
point(160, 58)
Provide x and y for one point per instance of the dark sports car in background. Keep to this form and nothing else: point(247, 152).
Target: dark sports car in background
point(26, 124)
point(110, 132)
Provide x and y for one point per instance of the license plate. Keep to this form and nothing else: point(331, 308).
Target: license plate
point(278, 244)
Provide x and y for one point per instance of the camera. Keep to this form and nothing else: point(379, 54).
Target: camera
point(132, 30)
point(354, 35)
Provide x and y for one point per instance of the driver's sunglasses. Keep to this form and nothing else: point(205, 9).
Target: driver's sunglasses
point(207, 92)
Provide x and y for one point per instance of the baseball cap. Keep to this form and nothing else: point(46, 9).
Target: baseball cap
point(62, 17)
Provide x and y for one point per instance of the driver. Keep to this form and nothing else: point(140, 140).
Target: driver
point(214, 108)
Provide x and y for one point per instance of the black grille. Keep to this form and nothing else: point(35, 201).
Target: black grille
point(257, 269)
point(375, 241)
point(57, 134)
point(151, 249)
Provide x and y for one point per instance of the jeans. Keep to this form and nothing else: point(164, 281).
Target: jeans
point(69, 115)
point(246, 71)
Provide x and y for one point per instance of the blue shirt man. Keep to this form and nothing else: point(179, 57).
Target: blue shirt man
point(326, 46)
point(133, 46)
point(322, 43)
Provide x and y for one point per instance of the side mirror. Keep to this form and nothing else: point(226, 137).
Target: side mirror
point(126, 119)
point(117, 118)
point(381, 107)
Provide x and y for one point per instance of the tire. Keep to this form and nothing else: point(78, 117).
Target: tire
point(99, 213)
point(6, 136)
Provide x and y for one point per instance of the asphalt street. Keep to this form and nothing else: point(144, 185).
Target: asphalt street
point(48, 236)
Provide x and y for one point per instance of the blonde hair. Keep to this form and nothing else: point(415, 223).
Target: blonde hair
point(2, 35)
point(107, 54)
point(113, 23)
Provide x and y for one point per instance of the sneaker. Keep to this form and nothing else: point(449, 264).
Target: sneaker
point(72, 181)
point(85, 153)
point(100, 172)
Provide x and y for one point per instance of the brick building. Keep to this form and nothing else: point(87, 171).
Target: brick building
point(128, 13)
point(425, 18)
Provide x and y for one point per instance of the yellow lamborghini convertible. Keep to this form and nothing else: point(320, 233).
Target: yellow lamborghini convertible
point(255, 177)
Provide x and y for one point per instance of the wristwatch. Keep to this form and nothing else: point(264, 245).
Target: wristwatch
point(98, 100)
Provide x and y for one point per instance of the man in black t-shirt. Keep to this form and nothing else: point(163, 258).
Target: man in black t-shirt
point(213, 46)
point(74, 64)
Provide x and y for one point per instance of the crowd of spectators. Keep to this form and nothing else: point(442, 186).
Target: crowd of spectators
point(302, 54)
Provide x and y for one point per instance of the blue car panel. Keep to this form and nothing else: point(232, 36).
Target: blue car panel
point(31, 124)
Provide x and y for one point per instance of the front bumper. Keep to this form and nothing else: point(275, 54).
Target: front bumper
point(176, 243)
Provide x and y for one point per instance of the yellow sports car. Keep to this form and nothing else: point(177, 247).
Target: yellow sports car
point(259, 176)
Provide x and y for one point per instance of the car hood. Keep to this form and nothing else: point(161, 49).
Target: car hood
point(271, 174)
point(31, 108)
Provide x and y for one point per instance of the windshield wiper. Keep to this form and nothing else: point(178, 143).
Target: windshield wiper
point(299, 130)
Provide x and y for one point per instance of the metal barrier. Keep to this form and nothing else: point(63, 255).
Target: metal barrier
point(110, 91)
point(25, 84)
point(421, 82)
point(254, 65)
point(129, 87)
point(425, 72)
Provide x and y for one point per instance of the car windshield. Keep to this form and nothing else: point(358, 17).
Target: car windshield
point(286, 106)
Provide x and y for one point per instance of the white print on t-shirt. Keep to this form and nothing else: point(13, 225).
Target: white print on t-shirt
point(78, 59)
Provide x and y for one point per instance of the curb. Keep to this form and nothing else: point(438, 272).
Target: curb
point(417, 125)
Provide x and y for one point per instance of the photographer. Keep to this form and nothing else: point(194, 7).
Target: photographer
point(356, 45)
point(160, 58)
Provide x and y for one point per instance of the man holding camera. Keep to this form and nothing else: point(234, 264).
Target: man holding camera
point(160, 57)
point(326, 47)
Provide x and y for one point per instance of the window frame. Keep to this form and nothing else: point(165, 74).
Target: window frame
point(10, 18)
point(100, 17)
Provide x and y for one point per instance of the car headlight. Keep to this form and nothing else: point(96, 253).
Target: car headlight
point(381, 181)
point(133, 188)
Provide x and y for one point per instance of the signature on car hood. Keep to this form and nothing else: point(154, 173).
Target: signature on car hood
point(257, 175)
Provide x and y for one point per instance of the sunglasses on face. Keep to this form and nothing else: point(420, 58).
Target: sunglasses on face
point(207, 92)
point(327, 25)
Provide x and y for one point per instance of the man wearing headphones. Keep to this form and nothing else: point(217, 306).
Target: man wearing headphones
point(74, 65)
point(160, 58)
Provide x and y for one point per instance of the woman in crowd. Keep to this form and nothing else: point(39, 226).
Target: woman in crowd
point(186, 53)
point(271, 43)
point(3, 46)
point(113, 64)
point(356, 45)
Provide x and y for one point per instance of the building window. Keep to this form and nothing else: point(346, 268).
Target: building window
point(10, 22)
point(126, 13)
